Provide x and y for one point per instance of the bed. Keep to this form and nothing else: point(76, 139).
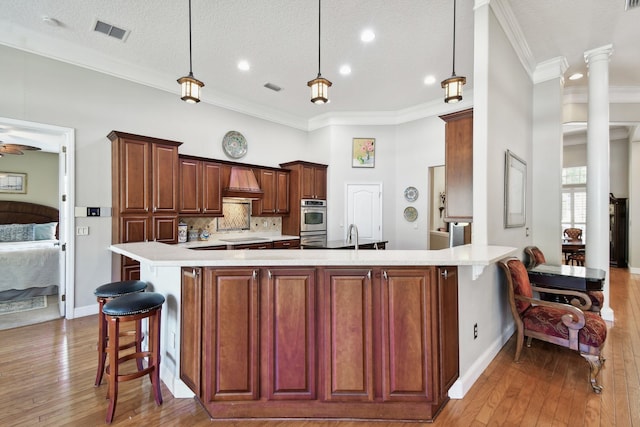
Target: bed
point(29, 250)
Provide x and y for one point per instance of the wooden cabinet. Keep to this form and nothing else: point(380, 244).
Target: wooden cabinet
point(144, 174)
point(289, 333)
point(447, 301)
point(618, 232)
point(335, 342)
point(459, 166)
point(200, 187)
point(275, 197)
point(230, 335)
point(265, 245)
point(191, 331)
point(307, 181)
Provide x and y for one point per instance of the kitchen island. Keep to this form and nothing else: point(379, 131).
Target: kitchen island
point(310, 333)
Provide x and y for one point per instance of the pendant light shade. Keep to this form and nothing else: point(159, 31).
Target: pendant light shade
point(453, 85)
point(189, 84)
point(319, 86)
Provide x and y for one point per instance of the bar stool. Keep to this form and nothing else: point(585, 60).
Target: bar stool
point(104, 294)
point(133, 308)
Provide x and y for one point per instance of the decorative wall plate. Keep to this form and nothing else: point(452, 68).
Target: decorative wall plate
point(410, 213)
point(234, 144)
point(411, 194)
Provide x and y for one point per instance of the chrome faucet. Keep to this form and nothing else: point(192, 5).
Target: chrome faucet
point(352, 228)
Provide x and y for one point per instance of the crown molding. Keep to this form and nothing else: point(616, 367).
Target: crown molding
point(551, 69)
point(504, 14)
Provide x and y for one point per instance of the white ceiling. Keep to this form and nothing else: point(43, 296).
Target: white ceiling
point(279, 39)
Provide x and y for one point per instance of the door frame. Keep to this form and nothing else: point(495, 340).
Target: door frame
point(61, 140)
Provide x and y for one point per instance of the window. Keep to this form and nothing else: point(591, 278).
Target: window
point(574, 198)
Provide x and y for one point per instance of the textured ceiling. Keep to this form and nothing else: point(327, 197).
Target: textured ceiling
point(279, 39)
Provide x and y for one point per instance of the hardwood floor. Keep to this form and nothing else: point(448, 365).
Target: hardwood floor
point(47, 373)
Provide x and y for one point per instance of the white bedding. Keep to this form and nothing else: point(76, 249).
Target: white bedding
point(26, 265)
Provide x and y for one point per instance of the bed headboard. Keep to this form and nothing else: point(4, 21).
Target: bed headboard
point(12, 212)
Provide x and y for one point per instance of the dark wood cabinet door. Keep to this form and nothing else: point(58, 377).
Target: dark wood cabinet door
point(268, 186)
point(308, 182)
point(165, 228)
point(191, 328)
point(290, 336)
point(347, 315)
point(266, 245)
point(212, 188)
point(320, 183)
point(230, 335)
point(407, 335)
point(134, 228)
point(165, 178)
point(282, 203)
point(134, 176)
point(190, 186)
point(448, 324)
point(459, 166)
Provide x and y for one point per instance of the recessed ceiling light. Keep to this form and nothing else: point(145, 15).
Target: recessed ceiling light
point(345, 70)
point(244, 65)
point(576, 76)
point(367, 36)
point(429, 80)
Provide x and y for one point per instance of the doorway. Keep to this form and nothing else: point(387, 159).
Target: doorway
point(60, 140)
point(364, 209)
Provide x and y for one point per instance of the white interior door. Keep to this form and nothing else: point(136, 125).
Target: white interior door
point(364, 209)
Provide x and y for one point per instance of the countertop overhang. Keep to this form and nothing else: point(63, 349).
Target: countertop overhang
point(156, 254)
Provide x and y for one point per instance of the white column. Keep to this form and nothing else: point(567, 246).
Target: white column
point(597, 233)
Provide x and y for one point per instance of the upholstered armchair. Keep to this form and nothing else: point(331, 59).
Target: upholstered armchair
point(535, 257)
point(556, 323)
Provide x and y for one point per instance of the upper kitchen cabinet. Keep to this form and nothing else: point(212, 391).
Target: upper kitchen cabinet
point(459, 166)
point(144, 175)
point(200, 187)
point(314, 182)
point(275, 199)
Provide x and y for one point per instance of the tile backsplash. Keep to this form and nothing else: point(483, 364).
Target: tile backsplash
point(260, 224)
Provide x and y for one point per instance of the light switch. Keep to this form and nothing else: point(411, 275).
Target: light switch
point(82, 231)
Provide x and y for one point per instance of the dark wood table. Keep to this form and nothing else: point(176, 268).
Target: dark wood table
point(567, 277)
point(571, 246)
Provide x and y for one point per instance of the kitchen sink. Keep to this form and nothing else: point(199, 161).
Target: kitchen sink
point(244, 239)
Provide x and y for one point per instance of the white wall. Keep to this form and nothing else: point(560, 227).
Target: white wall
point(42, 177)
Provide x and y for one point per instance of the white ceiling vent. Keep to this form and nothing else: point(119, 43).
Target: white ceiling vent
point(630, 4)
point(110, 30)
point(273, 87)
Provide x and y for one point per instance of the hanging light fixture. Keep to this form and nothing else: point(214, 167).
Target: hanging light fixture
point(453, 85)
point(319, 86)
point(190, 85)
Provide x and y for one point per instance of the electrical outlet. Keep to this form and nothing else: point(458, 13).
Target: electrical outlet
point(475, 331)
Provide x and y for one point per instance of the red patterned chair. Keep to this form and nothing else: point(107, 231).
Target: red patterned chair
point(535, 257)
point(556, 323)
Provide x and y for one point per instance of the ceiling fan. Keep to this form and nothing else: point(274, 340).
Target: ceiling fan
point(15, 148)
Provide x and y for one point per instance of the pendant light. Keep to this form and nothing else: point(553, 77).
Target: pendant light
point(319, 86)
point(453, 85)
point(190, 85)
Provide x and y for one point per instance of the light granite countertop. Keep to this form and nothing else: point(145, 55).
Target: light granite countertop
point(156, 254)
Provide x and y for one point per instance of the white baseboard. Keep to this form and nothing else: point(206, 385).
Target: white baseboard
point(87, 310)
point(466, 380)
point(634, 270)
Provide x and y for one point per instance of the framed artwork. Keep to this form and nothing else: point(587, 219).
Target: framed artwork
point(515, 191)
point(364, 153)
point(12, 182)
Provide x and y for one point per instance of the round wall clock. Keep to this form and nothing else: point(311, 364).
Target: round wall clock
point(234, 144)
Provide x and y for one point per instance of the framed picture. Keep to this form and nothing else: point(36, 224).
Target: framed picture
point(515, 189)
point(364, 153)
point(12, 182)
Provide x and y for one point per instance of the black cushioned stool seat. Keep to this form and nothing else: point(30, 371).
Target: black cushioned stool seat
point(104, 294)
point(129, 308)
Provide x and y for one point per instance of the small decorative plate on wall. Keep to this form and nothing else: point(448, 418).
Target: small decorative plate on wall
point(411, 194)
point(410, 213)
point(234, 144)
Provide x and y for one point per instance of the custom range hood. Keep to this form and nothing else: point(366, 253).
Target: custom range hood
point(242, 184)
